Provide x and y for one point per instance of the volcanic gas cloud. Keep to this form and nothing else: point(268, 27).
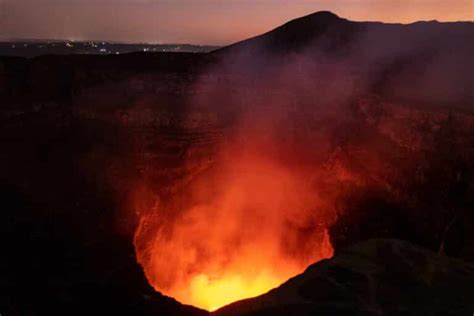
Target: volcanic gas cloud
point(253, 214)
point(246, 225)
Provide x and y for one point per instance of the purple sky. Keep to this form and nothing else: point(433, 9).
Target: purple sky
point(199, 21)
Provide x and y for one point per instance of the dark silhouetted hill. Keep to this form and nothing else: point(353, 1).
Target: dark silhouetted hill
point(429, 63)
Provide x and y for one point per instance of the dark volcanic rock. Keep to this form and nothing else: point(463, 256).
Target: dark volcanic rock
point(377, 277)
point(48, 268)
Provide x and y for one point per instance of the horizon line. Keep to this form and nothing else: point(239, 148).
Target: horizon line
point(131, 42)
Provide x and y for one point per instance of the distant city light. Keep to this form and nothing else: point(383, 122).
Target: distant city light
point(25, 48)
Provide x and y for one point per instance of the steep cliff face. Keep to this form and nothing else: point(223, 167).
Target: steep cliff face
point(67, 168)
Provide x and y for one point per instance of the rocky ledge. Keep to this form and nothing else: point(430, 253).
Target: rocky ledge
point(376, 277)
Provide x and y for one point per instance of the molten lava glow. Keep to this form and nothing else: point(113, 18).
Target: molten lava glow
point(237, 231)
point(212, 294)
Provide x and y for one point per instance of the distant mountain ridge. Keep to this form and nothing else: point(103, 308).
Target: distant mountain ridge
point(423, 62)
point(301, 31)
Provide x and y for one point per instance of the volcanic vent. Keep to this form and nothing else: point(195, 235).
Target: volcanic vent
point(237, 230)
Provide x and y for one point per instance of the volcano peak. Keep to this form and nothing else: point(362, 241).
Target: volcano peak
point(322, 15)
point(319, 18)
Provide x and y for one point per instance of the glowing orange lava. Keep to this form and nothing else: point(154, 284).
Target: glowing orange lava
point(236, 232)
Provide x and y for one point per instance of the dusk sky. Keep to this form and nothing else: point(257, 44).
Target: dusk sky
point(199, 21)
